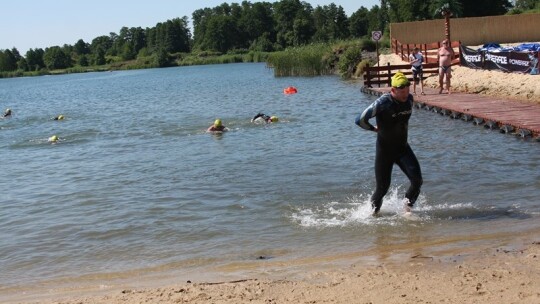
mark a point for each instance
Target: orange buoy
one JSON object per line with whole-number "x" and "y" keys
{"x": 290, "y": 90}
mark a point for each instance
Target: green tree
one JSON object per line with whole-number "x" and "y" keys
{"x": 200, "y": 20}
{"x": 99, "y": 57}
{"x": 22, "y": 64}
{"x": 161, "y": 58}
{"x": 440, "y": 8}
{"x": 220, "y": 34}
{"x": 8, "y": 61}
{"x": 127, "y": 52}
{"x": 262, "y": 44}
{"x": 115, "y": 47}
{"x": 375, "y": 20}
{"x": 330, "y": 22}
{"x": 349, "y": 60}
{"x": 383, "y": 16}
{"x": 285, "y": 14}
{"x": 16, "y": 54}
{"x": 481, "y": 8}
{"x": 56, "y": 58}
{"x": 341, "y": 23}
{"x": 320, "y": 20}
{"x": 173, "y": 36}
{"x": 359, "y": 22}
{"x": 138, "y": 38}
{"x": 257, "y": 24}
{"x": 128, "y": 43}
{"x": 408, "y": 10}
{"x": 178, "y": 35}
{"x": 101, "y": 45}
{"x": 81, "y": 47}
{"x": 34, "y": 59}
{"x": 446, "y": 9}
{"x": 83, "y": 60}
{"x": 303, "y": 29}
{"x": 525, "y": 5}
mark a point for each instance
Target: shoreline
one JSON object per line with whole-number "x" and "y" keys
{"x": 502, "y": 268}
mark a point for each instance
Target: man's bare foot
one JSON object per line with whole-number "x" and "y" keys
{"x": 407, "y": 205}
{"x": 440, "y": 91}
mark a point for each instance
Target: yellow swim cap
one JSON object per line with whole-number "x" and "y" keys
{"x": 399, "y": 80}
{"x": 60, "y": 117}
{"x": 217, "y": 123}
{"x": 274, "y": 119}
{"x": 53, "y": 138}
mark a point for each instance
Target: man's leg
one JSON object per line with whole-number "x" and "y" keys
{"x": 383, "y": 176}
{"x": 421, "y": 76}
{"x": 448, "y": 76}
{"x": 408, "y": 163}
{"x": 441, "y": 77}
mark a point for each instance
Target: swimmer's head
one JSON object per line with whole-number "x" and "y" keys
{"x": 217, "y": 123}
{"x": 53, "y": 138}
{"x": 7, "y": 112}
{"x": 60, "y": 117}
{"x": 399, "y": 80}
{"x": 274, "y": 119}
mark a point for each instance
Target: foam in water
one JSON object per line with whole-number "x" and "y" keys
{"x": 355, "y": 211}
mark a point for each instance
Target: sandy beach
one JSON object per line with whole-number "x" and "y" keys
{"x": 508, "y": 273}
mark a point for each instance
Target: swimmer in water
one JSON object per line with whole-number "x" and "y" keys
{"x": 217, "y": 127}
{"x": 7, "y": 113}
{"x": 261, "y": 117}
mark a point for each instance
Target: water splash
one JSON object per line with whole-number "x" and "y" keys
{"x": 354, "y": 211}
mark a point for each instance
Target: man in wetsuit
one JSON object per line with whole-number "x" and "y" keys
{"x": 7, "y": 113}
{"x": 265, "y": 118}
{"x": 392, "y": 112}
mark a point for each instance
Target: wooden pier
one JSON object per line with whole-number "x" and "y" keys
{"x": 508, "y": 116}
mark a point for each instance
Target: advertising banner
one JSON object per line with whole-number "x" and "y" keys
{"x": 507, "y": 61}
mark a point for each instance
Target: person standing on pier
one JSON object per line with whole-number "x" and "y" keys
{"x": 446, "y": 55}
{"x": 392, "y": 112}
{"x": 416, "y": 59}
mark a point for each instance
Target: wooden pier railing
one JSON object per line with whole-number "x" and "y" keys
{"x": 429, "y": 50}
{"x": 381, "y": 75}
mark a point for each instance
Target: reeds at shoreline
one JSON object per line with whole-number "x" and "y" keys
{"x": 301, "y": 61}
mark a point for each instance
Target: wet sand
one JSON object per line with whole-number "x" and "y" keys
{"x": 501, "y": 268}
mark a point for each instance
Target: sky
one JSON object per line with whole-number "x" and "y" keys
{"x": 45, "y": 23}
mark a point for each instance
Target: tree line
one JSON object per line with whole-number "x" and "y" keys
{"x": 244, "y": 27}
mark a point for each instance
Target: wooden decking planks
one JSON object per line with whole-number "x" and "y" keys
{"x": 524, "y": 117}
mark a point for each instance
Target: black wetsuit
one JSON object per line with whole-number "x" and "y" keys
{"x": 392, "y": 147}
{"x": 264, "y": 116}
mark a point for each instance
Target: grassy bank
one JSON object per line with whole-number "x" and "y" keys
{"x": 342, "y": 57}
